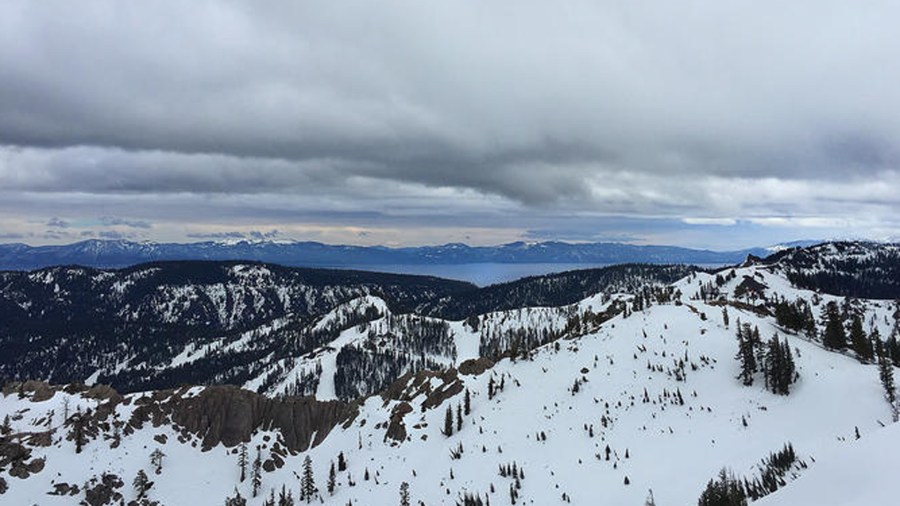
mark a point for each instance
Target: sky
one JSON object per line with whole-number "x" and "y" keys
{"x": 707, "y": 124}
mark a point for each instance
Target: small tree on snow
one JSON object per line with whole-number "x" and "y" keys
{"x": 242, "y": 460}
{"x": 448, "y": 422}
{"x": 886, "y": 374}
{"x": 256, "y": 472}
{"x": 308, "y": 488}
{"x": 156, "y": 459}
{"x": 141, "y": 484}
{"x": 332, "y": 480}
{"x": 237, "y": 500}
{"x": 404, "y": 494}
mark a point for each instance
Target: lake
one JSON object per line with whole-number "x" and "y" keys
{"x": 481, "y": 274}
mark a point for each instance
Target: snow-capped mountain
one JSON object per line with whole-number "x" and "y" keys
{"x": 121, "y": 253}
{"x": 164, "y": 324}
{"x": 626, "y": 395}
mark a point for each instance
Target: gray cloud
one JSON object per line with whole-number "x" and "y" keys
{"x": 113, "y": 221}
{"x": 56, "y": 222}
{"x": 217, "y": 235}
{"x": 403, "y": 114}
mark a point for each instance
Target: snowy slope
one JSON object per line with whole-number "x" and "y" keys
{"x": 857, "y": 474}
{"x": 672, "y": 449}
{"x": 656, "y": 385}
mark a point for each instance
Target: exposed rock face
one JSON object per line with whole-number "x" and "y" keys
{"x": 16, "y": 457}
{"x": 396, "y": 428}
{"x": 410, "y": 386}
{"x": 64, "y": 489}
{"x": 37, "y": 390}
{"x": 229, "y": 415}
{"x": 475, "y": 366}
{"x": 103, "y": 491}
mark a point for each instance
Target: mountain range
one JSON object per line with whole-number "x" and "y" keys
{"x": 122, "y": 253}
{"x": 245, "y": 383}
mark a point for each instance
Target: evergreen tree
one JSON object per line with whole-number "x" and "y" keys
{"x": 746, "y": 354}
{"x": 332, "y": 480}
{"x": 459, "y": 418}
{"x": 858, "y": 339}
{"x": 779, "y": 367}
{"x": 237, "y": 500}
{"x": 404, "y": 494}
{"x": 448, "y": 422}
{"x": 256, "y": 472}
{"x": 156, "y": 459}
{"x": 141, "y": 484}
{"x": 467, "y": 406}
{"x": 834, "y": 338}
{"x": 6, "y": 428}
{"x": 285, "y": 497}
{"x": 342, "y": 462}
{"x": 242, "y": 461}
{"x": 308, "y": 490}
{"x": 724, "y": 491}
{"x": 886, "y": 374}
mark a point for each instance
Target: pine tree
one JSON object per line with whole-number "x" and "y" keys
{"x": 237, "y": 500}
{"x": 886, "y": 374}
{"x": 724, "y": 491}
{"x": 141, "y": 484}
{"x": 834, "y": 338}
{"x": 467, "y": 403}
{"x": 858, "y": 339}
{"x": 242, "y": 461}
{"x": 459, "y": 418}
{"x": 332, "y": 480}
{"x": 78, "y": 433}
{"x": 256, "y": 472}
{"x": 448, "y": 422}
{"x": 342, "y": 462}
{"x": 6, "y": 428}
{"x": 746, "y": 354}
{"x": 404, "y": 494}
{"x": 491, "y": 388}
{"x": 308, "y": 490}
{"x": 779, "y": 367}
{"x": 156, "y": 459}
{"x": 285, "y": 497}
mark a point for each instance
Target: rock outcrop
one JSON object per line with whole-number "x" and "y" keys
{"x": 229, "y": 415}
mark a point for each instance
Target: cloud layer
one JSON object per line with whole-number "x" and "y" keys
{"x": 386, "y": 120}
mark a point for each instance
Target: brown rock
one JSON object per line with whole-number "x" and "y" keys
{"x": 475, "y": 366}
{"x": 396, "y": 428}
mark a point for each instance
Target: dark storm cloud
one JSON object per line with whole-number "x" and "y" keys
{"x": 690, "y": 113}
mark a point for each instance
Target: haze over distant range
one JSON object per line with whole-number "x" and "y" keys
{"x": 700, "y": 124}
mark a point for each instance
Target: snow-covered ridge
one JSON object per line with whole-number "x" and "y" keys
{"x": 610, "y": 396}
{"x": 655, "y": 385}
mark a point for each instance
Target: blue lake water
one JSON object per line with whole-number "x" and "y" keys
{"x": 481, "y": 274}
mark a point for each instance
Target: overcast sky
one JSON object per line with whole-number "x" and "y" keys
{"x": 696, "y": 123}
